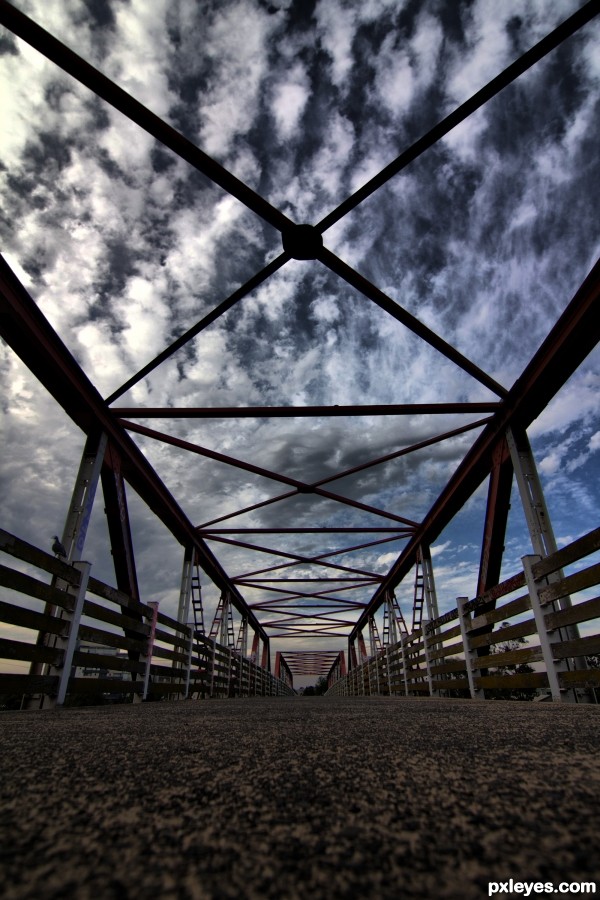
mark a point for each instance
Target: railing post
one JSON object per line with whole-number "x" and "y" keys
{"x": 424, "y": 625}
{"x": 189, "y": 663}
{"x": 403, "y": 642}
{"x": 387, "y": 669}
{"x": 70, "y": 642}
{"x": 470, "y": 655}
{"x": 153, "y": 604}
{"x": 546, "y": 638}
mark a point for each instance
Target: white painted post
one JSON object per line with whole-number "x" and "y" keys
{"x": 188, "y": 670}
{"x": 153, "y": 604}
{"x": 427, "y": 659}
{"x": 464, "y": 620}
{"x": 71, "y": 641}
{"x": 403, "y": 642}
{"x": 553, "y": 667}
{"x": 387, "y": 669}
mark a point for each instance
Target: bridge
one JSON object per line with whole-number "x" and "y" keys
{"x": 155, "y": 707}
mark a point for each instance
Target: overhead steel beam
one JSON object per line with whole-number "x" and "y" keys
{"x": 300, "y": 487}
{"x": 317, "y": 560}
{"x": 493, "y": 87}
{"x": 399, "y": 531}
{"x": 297, "y": 412}
{"x": 24, "y": 328}
{"x": 421, "y": 445}
{"x": 70, "y": 62}
{"x": 572, "y": 338}
{"x": 377, "y": 296}
{"x": 207, "y": 320}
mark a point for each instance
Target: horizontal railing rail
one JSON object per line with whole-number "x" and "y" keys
{"x": 501, "y": 645}
{"x": 112, "y": 647}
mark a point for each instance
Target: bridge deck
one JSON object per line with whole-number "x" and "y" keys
{"x": 296, "y": 798}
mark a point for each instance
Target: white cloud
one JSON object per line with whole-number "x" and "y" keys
{"x": 236, "y": 44}
{"x": 395, "y": 80}
{"x": 289, "y": 101}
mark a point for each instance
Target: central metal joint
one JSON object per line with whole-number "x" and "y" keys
{"x": 302, "y": 242}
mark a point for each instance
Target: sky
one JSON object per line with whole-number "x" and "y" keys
{"x": 485, "y": 239}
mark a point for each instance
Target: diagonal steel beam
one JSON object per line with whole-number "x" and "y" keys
{"x": 26, "y": 330}
{"x": 493, "y": 87}
{"x": 195, "y": 330}
{"x": 321, "y": 556}
{"x": 354, "y": 470}
{"x": 377, "y": 296}
{"x": 296, "y": 557}
{"x": 78, "y": 68}
{"x": 300, "y": 487}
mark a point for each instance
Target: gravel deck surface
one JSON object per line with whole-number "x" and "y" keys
{"x": 315, "y": 797}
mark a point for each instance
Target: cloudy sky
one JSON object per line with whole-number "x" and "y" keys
{"x": 485, "y": 238}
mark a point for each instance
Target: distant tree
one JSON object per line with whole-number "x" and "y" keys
{"x": 321, "y": 685}
{"x": 316, "y": 690}
{"x": 508, "y": 646}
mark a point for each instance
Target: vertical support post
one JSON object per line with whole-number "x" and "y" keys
{"x": 222, "y": 638}
{"x": 392, "y": 623}
{"x": 426, "y": 651}
{"x": 69, "y": 644}
{"x": 553, "y": 667}
{"x": 431, "y": 604}
{"x": 255, "y": 643}
{"x": 376, "y": 661}
{"x": 403, "y": 643}
{"x": 188, "y": 670}
{"x": 470, "y": 656}
{"x": 372, "y": 639}
{"x": 185, "y": 592}
{"x": 119, "y": 530}
{"x": 212, "y": 669}
{"x": 536, "y": 514}
{"x": 387, "y": 670}
{"x": 117, "y": 514}
{"x": 243, "y": 637}
{"x": 496, "y": 518}
{"x": 532, "y": 496}
{"x": 77, "y": 519}
{"x": 82, "y": 499}
{"x": 153, "y": 604}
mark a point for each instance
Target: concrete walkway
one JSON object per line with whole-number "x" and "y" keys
{"x": 297, "y": 798}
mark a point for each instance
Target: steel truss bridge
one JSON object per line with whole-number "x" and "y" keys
{"x": 415, "y": 653}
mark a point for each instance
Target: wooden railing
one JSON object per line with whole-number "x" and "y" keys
{"x": 512, "y": 641}
{"x": 108, "y": 647}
